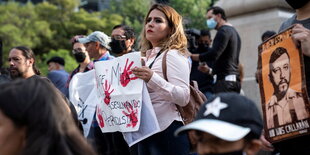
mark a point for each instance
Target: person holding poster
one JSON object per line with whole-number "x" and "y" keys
{"x": 301, "y": 36}
{"x": 163, "y": 32}
{"x": 97, "y": 46}
{"x": 286, "y": 105}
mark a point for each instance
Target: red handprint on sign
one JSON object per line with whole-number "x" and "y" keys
{"x": 132, "y": 114}
{"x": 125, "y": 76}
{"x": 107, "y": 94}
{"x": 99, "y": 114}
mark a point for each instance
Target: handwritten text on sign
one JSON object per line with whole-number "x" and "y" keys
{"x": 120, "y": 94}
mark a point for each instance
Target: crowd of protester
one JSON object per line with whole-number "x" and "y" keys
{"x": 37, "y": 117}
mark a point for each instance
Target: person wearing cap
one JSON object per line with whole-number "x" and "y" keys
{"x": 97, "y": 46}
{"x": 57, "y": 74}
{"x": 228, "y": 123}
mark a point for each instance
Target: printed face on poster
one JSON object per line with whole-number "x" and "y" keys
{"x": 283, "y": 91}
{"x": 120, "y": 94}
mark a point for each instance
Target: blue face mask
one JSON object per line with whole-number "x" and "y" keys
{"x": 211, "y": 23}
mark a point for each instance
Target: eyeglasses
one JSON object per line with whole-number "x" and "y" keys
{"x": 77, "y": 50}
{"x": 119, "y": 37}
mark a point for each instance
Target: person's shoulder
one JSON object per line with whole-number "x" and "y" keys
{"x": 58, "y": 72}
{"x": 287, "y": 23}
{"x": 38, "y": 77}
{"x": 227, "y": 30}
{"x": 176, "y": 53}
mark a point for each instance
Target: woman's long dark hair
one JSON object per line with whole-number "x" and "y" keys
{"x": 50, "y": 130}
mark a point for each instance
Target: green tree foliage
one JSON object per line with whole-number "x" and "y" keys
{"x": 47, "y": 27}
{"x": 193, "y": 11}
{"x": 20, "y": 25}
{"x": 133, "y": 12}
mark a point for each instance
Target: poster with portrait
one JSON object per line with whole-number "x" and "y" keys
{"x": 120, "y": 94}
{"x": 282, "y": 85}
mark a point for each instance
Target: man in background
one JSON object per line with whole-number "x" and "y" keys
{"x": 123, "y": 40}
{"x": 224, "y": 52}
{"x": 57, "y": 74}
{"x": 22, "y": 63}
{"x": 202, "y": 71}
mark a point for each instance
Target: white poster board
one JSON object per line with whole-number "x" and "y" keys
{"x": 120, "y": 94}
{"x": 82, "y": 94}
{"x": 86, "y": 94}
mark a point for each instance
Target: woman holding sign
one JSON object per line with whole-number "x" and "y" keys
{"x": 163, "y": 32}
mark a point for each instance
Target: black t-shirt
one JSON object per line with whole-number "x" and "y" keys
{"x": 204, "y": 80}
{"x": 224, "y": 52}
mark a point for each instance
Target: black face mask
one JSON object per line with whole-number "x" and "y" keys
{"x": 240, "y": 152}
{"x": 296, "y": 4}
{"x": 203, "y": 47}
{"x": 118, "y": 46}
{"x": 80, "y": 57}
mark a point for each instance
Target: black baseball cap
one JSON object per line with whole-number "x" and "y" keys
{"x": 228, "y": 116}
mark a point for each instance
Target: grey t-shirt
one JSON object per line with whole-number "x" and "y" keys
{"x": 306, "y": 24}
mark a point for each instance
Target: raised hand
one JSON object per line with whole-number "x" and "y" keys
{"x": 132, "y": 114}
{"x": 125, "y": 76}
{"x": 107, "y": 94}
{"x": 99, "y": 114}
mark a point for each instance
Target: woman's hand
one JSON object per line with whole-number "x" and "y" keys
{"x": 144, "y": 73}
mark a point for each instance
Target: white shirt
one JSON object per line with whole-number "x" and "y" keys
{"x": 164, "y": 95}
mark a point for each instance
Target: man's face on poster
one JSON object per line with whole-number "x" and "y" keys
{"x": 281, "y": 74}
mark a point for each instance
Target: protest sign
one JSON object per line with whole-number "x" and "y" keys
{"x": 149, "y": 124}
{"x": 82, "y": 94}
{"x": 281, "y": 79}
{"x": 120, "y": 94}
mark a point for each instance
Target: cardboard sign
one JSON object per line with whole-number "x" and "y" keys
{"x": 283, "y": 91}
{"x": 120, "y": 94}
